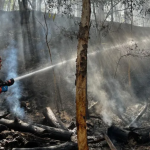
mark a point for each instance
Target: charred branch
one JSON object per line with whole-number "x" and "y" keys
{"x": 22, "y": 126}
{"x": 52, "y": 119}
{"x": 138, "y": 116}
{"x": 111, "y": 145}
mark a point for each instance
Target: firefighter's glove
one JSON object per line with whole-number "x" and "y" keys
{"x": 10, "y": 82}
{"x": 4, "y": 88}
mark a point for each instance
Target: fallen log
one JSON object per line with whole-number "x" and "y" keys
{"x": 64, "y": 146}
{"x": 23, "y": 139}
{"x": 111, "y": 145}
{"x": 56, "y": 133}
{"x": 118, "y": 134}
{"x": 21, "y": 126}
{"x": 51, "y": 132}
{"x": 121, "y": 135}
{"x": 52, "y": 119}
{"x": 138, "y": 116}
{"x": 133, "y": 134}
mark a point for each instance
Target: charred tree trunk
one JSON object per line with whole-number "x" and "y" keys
{"x": 81, "y": 76}
{"x": 40, "y": 131}
{"x": 22, "y": 126}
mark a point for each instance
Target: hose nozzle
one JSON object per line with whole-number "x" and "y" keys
{"x": 10, "y": 82}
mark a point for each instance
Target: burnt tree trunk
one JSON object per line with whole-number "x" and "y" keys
{"x": 81, "y": 76}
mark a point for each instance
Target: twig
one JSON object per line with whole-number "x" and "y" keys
{"x": 109, "y": 12}
{"x": 111, "y": 145}
{"x": 138, "y": 116}
{"x": 130, "y": 54}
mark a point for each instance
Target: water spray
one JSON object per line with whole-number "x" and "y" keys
{"x": 47, "y": 68}
{"x": 66, "y": 61}
{"x": 41, "y": 70}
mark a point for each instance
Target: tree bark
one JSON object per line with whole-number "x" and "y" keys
{"x": 52, "y": 120}
{"x": 64, "y": 146}
{"x": 81, "y": 76}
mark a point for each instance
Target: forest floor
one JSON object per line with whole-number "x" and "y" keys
{"x": 96, "y": 126}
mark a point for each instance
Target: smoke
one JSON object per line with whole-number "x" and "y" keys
{"x": 14, "y": 91}
{"x": 114, "y": 94}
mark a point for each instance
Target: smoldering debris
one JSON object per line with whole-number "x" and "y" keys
{"x": 46, "y": 134}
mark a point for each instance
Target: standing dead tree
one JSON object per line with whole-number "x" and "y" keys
{"x": 81, "y": 76}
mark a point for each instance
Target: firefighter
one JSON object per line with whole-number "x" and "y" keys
{"x": 4, "y": 85}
